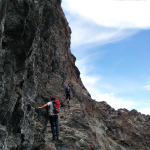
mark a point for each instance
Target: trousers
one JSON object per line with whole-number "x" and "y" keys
{"x": 54, "y": 121}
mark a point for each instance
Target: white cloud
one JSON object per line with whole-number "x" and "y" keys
{"x": 116, "y": 102}
{"x": 147, "y": 87}
{"x": 92, "y": 85}
{"x": 87, "y": 33}
{"x": 112, "y": 13}
{"x": 105, "y": 21}
{"x": 99, "y": 89}
{"x": 145, "y": 110}
{"x": 87, "y": 79}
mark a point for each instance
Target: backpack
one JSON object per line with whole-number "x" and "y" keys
{"x": 56, "y": 106}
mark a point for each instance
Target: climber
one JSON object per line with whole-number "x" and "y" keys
{"x": 68, "y": 94}
{"x": 54, "y": 110}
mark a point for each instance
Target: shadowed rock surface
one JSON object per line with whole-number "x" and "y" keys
{"x": 35, "y": 64}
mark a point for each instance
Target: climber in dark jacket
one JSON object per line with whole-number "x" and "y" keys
{"x": 68, "y": 93}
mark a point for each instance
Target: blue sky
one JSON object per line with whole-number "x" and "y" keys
{"x": 110, "y": 39}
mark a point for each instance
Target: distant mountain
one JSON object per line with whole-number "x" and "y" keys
{"x": 35, "y": 64}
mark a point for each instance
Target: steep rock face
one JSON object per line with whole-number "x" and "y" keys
{"x": 36, "y": 63}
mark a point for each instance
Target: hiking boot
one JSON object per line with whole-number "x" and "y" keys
{"x": 57, "y": 137}
{"x": 53, "y": 138}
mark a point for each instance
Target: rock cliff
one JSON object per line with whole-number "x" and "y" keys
{"x": 35, "y": 64}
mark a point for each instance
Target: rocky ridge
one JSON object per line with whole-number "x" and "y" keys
{"x": 36, "y": 63}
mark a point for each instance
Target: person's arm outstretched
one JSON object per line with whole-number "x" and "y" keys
{"x": 45, "y": 105}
